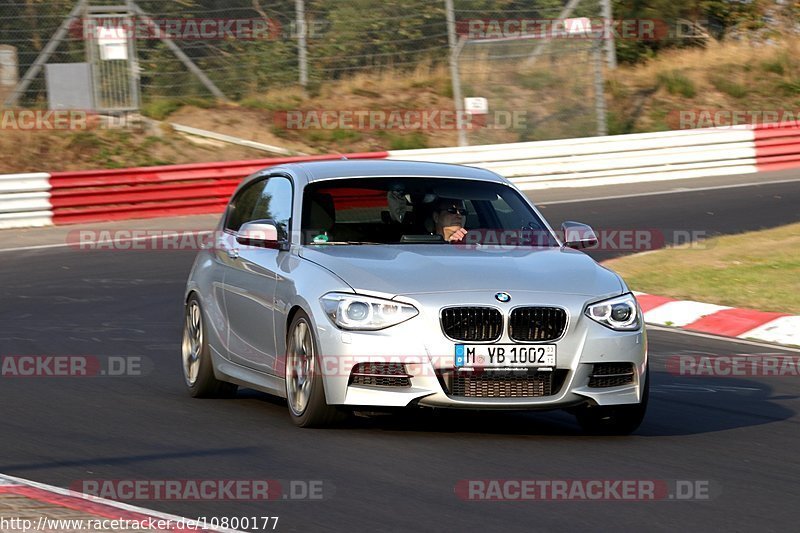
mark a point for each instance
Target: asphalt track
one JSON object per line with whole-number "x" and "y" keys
{"x": 677, "y": 211}
{"x": 394, "y": 473}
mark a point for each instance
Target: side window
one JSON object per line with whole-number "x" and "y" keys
{"x": 243, "y": 206}
{"x": 275, "y": 203}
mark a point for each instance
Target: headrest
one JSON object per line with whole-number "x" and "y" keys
{"x": 321, "y": 214}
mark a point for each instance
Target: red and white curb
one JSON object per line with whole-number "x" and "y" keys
{"x": 777, "y": 328}
{"x": 98, "y": 508}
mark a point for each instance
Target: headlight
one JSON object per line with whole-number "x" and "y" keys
{"x": 352, "y": 311}
{"x": 620, "y": 313}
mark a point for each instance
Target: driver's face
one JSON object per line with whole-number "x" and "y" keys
{"x": 453, "y": 215}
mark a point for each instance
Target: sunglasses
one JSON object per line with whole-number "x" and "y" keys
{"x": 456, "y": 211}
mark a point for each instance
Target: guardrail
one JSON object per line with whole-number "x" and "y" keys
{"x": 25, "y": 200}
{"x": 78, "y": 197}
{"x": 608, "y": 160}
{"x": 777, "y": 148}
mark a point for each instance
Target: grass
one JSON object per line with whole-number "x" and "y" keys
{"x": 778, "y": 64}
{"x": 537, "y": 80}
{"x": 161, "y": 108}
{"x": 408, "y": 142}
{"x": 721, "y": 75}
{"x": 619, "y": 124}
{"x": 118, "y": 148}
{"x": 731, "y": 88}
{"x": 790, "y": 87}
{"x": 757, "y": 270}
{"x": 424, "y": 76}
{"x": 340, "y": 135}
{"x": 677, "y": 84}
{"x": 277, "y": 100}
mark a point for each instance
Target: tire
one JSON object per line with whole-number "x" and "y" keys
{"x": 198, "y": 368}
{"x": 614, "y": 419}
{"x": 305, "y": 391}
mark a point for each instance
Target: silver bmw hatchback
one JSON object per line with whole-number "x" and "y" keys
{"x": 357, "y": 285}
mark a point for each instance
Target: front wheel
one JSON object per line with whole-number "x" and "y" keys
{"x": 614, "y": 419}
{"x": 305, "y": 392}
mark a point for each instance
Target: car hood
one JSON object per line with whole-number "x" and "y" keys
{"x": 423, "y": 268}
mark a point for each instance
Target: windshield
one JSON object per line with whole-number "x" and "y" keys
{"x": 419, "y": 211}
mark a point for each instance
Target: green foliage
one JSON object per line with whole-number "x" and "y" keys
{"x": 116, "y": 148}
{"x": 729, "y": 87}
{"x": 359, "y": 91}
{"x": 202, "y": 103}
{"x": 619, "y": 124}
{"x": 616, "y": 89}
{"x": 777, "y": 65}
{"x": 790, "y": 87}
{"x": 408, "y": 142}
{"x": 259, "y": 102}
{"x": 540, "y": 79}
{"x": 718, "y": 17}
{"x": 659, "y": 116}
{"x": 349, "y": 36}
{"x": 338, "y": 135}
{"x": 279, "y": 132}
{"x": 677, "y": 83}
{"x": 365, "y": 33}
{"x": 342, "y": 135}
{"x": 161, "y": 108}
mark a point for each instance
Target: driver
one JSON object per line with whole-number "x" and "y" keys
{"x": 449, "y": 216}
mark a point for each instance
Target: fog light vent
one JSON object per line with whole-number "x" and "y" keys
{"x": 611, "y": 375}
{"x": 380, "y": 375}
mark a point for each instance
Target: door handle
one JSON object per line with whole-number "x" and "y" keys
{"x": 233, "y": 253}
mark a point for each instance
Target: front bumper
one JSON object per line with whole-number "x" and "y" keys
{"x": 427, "y": 355}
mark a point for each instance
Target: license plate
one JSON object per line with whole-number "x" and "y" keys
{"x": 505, "y": 355}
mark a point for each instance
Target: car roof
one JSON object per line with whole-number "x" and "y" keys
{"x": 321, "y": 170}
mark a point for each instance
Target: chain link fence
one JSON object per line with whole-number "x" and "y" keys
{"x": 539, "y": 81}
{"x": 243, "y": 46}
{"x": 537, "y": 86}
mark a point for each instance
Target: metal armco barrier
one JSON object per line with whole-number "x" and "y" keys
{"x": 608, "y": 160}
{"x": 25, "y": 200}
{"x": 99, "y": 195}
{"x": 777, "y": 148}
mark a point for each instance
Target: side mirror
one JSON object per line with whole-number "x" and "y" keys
{"x": 260, "y": 233}
{"x": 577, "y": 235}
